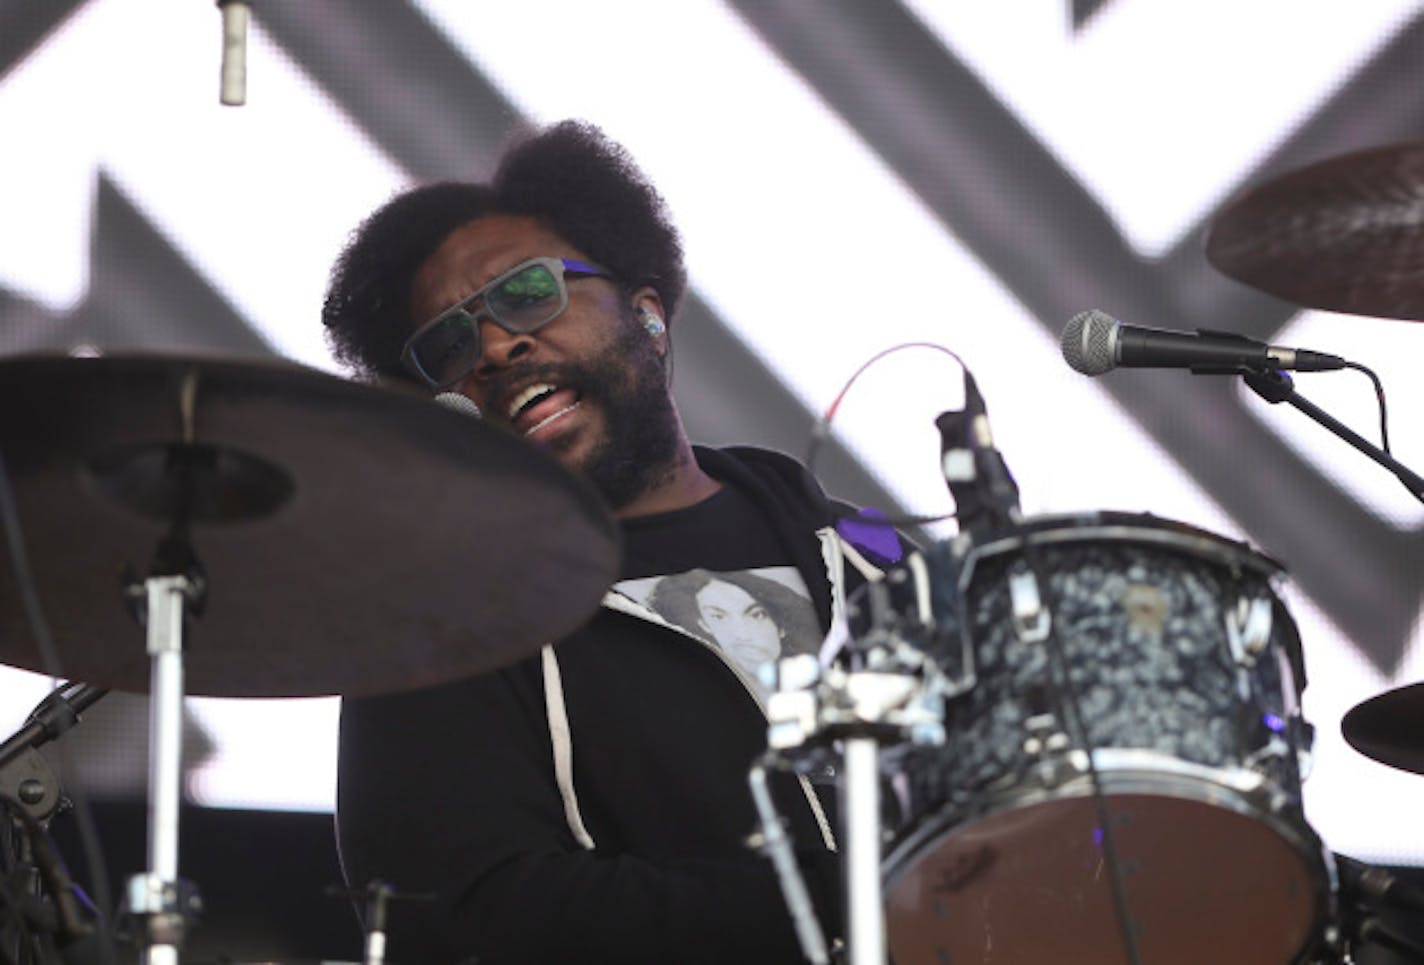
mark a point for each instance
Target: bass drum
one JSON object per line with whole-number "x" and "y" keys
{"x": 1183, "y": 673}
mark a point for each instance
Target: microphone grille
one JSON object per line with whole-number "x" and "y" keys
{"x": 460, "y": 404}
{"x": 1088, "y": 342}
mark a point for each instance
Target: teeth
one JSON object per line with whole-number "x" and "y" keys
{"x": 526, "y": 396}
{"x": 543, "y": 422}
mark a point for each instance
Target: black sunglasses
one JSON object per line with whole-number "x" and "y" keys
{"x": 524, "y": 299}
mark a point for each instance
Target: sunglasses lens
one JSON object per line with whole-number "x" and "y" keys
{"x": 447, "y": 350}
{"x": 527, "y": 299}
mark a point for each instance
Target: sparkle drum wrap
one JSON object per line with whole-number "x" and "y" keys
{"x": 1185, "y": 671}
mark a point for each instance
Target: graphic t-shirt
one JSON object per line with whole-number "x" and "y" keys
{"x": 718, "y": 571}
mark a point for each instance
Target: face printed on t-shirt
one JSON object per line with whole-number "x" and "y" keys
{"x": 739, "y": 623}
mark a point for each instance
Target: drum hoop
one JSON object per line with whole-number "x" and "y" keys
{"x": 1301, "y": 838}
{"x": 1132, "y": 771}
{"x": 1145, "y": 530}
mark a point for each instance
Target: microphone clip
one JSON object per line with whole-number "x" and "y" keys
{"x": 985, "y": 493}
{"x": 1245, "y": 341}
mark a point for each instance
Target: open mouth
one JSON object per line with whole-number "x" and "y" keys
{"x": 540, "y": 404}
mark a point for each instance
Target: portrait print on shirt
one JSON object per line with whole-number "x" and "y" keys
{"x": 753, "y": 616}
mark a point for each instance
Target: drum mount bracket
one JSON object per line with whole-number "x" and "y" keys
{"x": 889, "y": 694}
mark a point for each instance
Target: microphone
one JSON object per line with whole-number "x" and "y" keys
{"x": 459, "y": 403}
{"x": 986, "y": 497}
{"x": 1095, "y": 342}
{"x": 232, "y": 89}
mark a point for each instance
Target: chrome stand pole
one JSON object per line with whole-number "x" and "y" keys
{"x": 777, "y": 845}
{"x": 864, "y": 910}
{"x": 158, "y": 897}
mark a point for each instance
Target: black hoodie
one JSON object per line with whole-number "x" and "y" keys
{"x": 453, "y": 790}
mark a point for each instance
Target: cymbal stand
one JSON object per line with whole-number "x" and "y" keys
{"x": 164, "y": 903}
{"x": 177, "y": 484}
{"x": 892, "y": 695}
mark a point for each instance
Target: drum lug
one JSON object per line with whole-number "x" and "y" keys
{"x": 1303, "y": 733}
{"x": 1031, "y": 618}
{"x": 1248, "y": 630}
{"x": 1050, "y": 745}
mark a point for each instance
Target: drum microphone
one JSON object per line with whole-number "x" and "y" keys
{"x": 459, "y": 403}
{"x": 1095, "y": 342}
{"x": 986, "y": 497}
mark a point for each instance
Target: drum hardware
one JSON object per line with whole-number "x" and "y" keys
{"x": 177, "y": 484}
{"x": 986, "y": 497}
{"x": 1032, "y": 622}
{"x": 773, "y": 841}
{"x": 1371, "y": 890}
{"x": 892, "y": 697}
{"x": 1248, "y": 630}
{"x": 47, "y": 909}
{"x": 378, "y": 895}
{"x": 164, "y": 905}
{"x": 32, "y": 791}
{"x": 52, "y": 717}
{"x": 1051, "y": 750}
{"x": 1277, "y": 387}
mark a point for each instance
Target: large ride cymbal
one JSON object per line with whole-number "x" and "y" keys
{"x": 1343, "y": 235}
{"x": 355, "y": 540}
{"x": 1390, "y": 728}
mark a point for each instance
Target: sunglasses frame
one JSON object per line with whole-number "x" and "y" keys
{"x": 560, "y": 268}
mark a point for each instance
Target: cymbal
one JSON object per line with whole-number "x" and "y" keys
{"x": 1343, "y": 235}
{"x": 355, "y": 539}
{"x": 1390, "y": 728}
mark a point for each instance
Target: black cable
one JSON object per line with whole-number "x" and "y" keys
{"x": 95, "y": 864}
{"x": 1384, "y": 419}
{"x": 1379, "y": 396}
{"x": 1069, "y": 708}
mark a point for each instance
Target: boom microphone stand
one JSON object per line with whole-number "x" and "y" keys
{"x": 1276, "y": 387}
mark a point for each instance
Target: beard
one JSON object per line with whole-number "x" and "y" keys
{"x": 639, "y": 447}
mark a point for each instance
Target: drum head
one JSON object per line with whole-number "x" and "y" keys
{"x": 1030, "y": 885}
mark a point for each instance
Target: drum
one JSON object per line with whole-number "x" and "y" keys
{"x": 1124, "y": 752}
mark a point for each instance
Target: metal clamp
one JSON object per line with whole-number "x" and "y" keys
{"x": 1031, "y": 619}
{"x": 168, "y": 908}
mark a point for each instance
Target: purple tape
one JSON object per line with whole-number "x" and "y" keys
{"x": 870, "y": 533}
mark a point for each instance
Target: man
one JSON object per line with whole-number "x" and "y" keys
{"x": 589, "y": 804}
